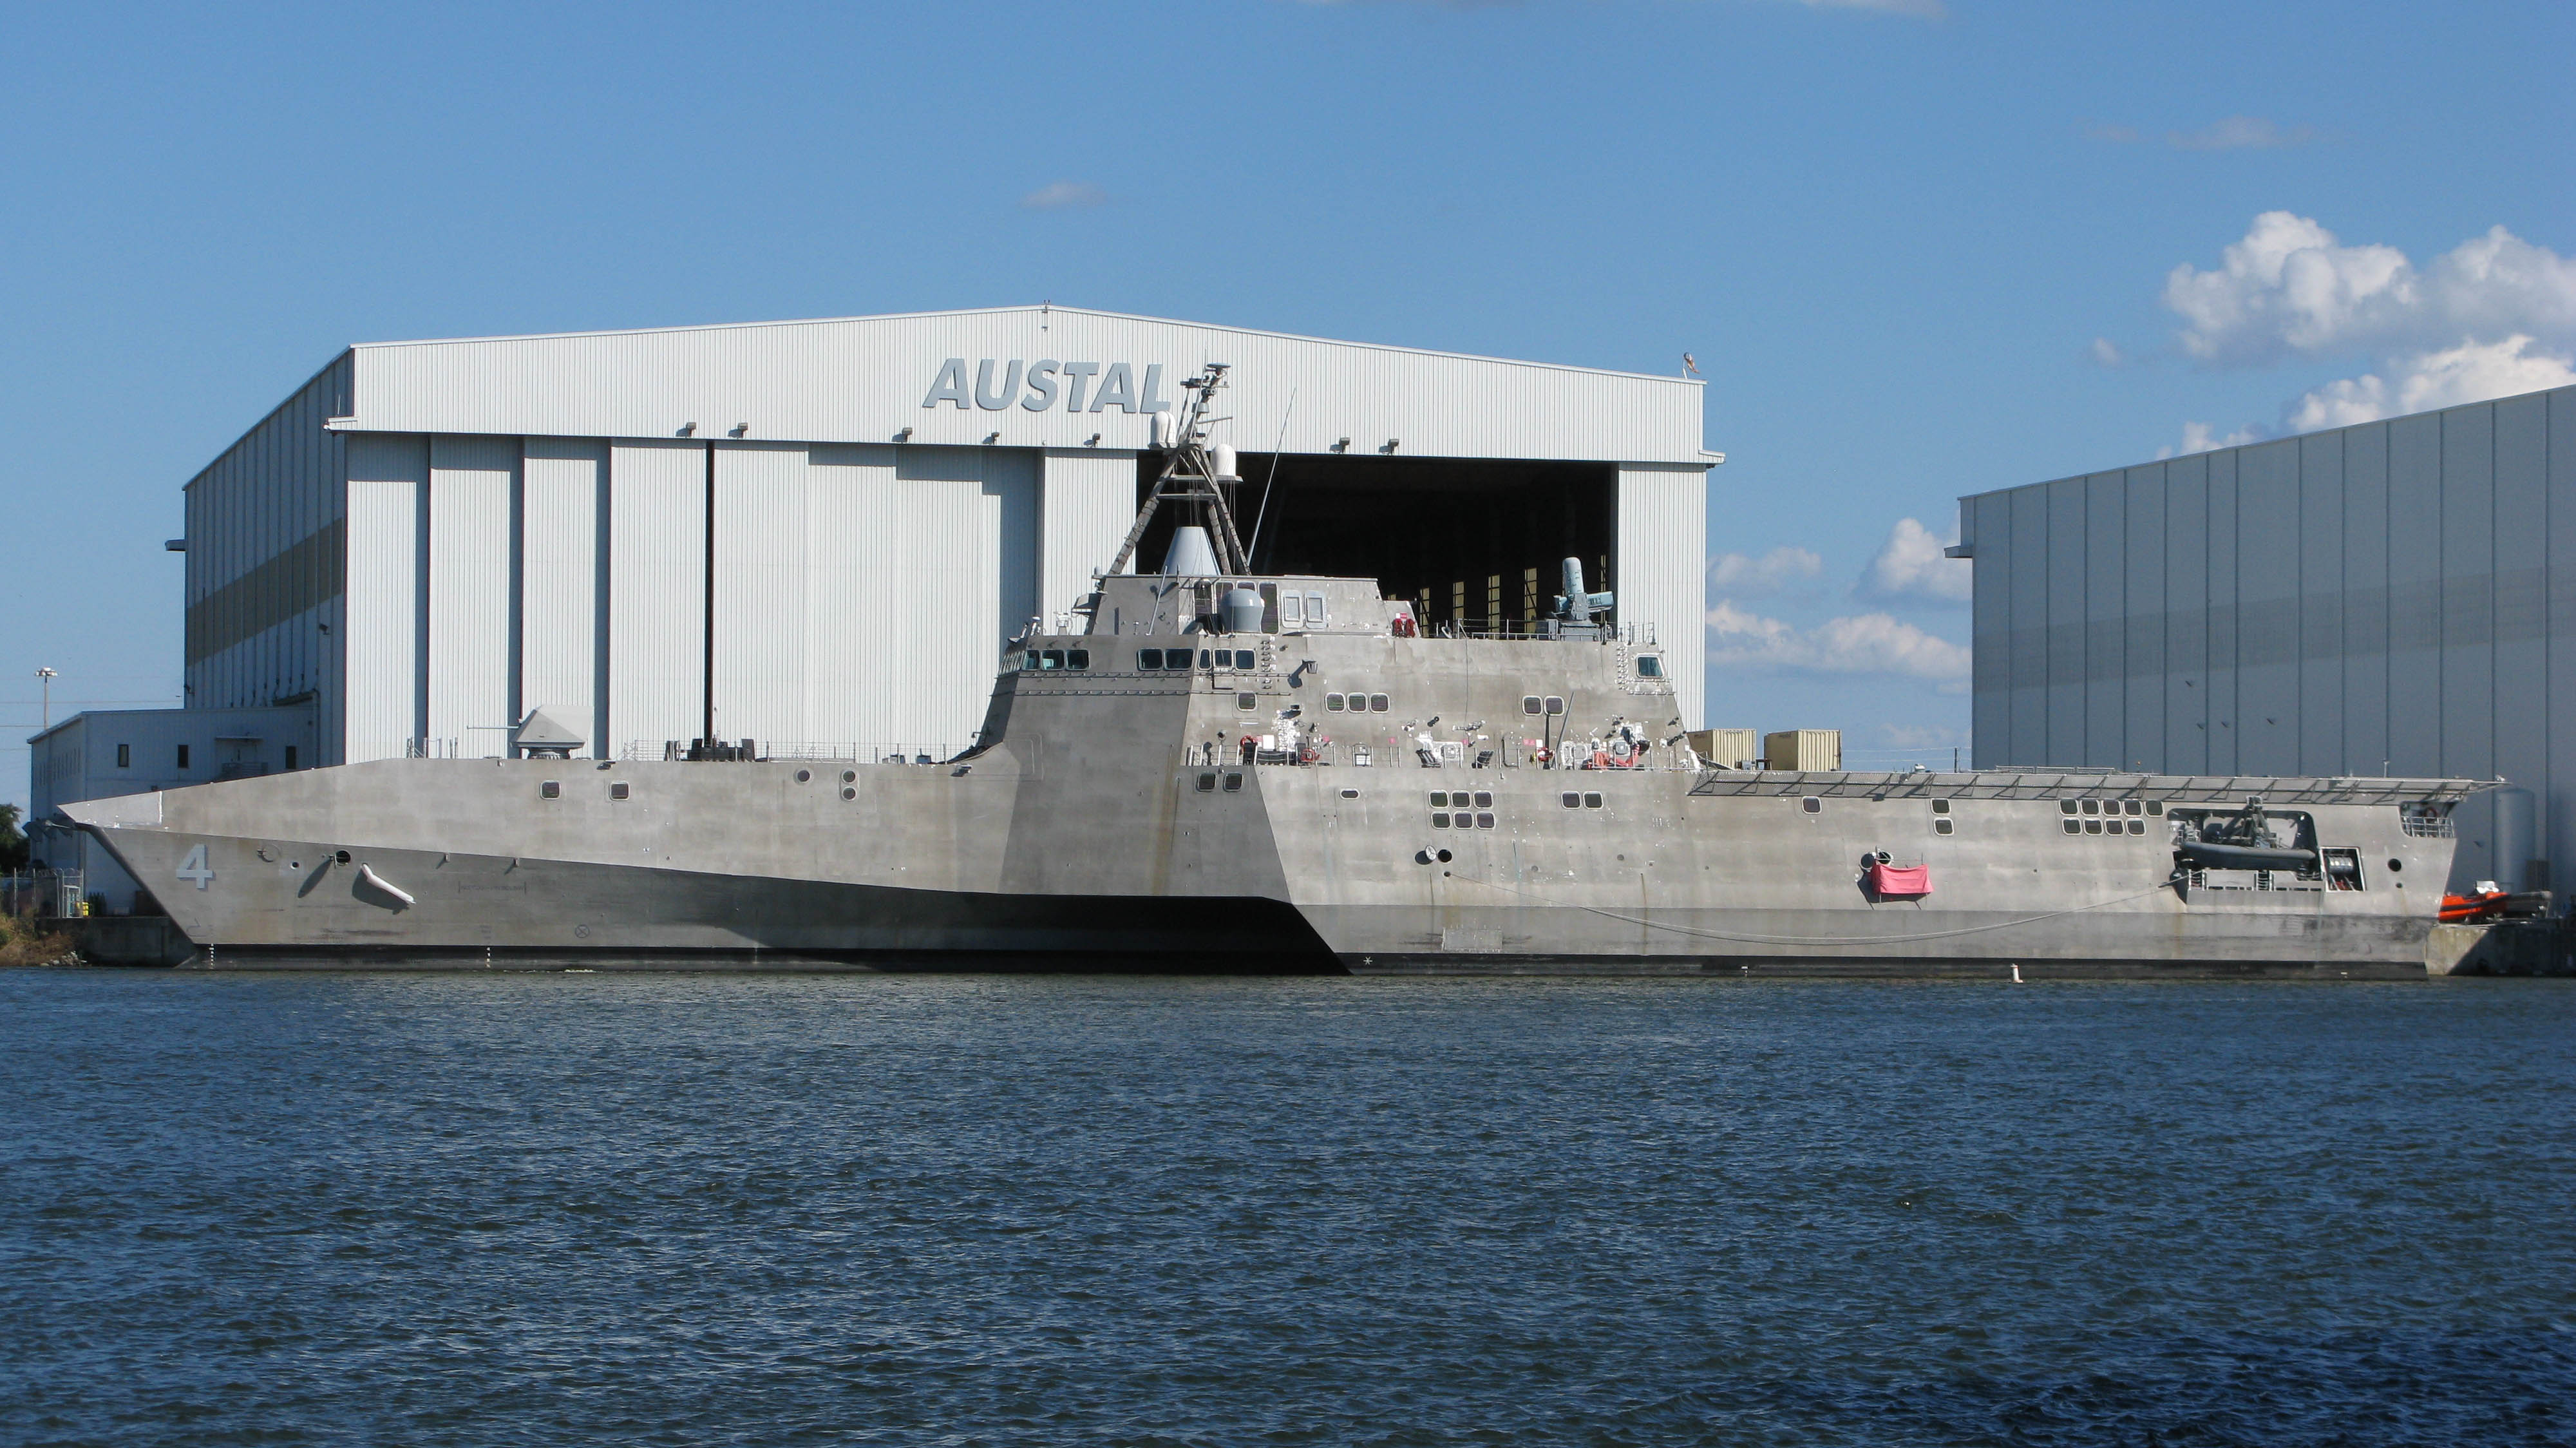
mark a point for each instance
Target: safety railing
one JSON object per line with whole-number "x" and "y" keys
{"x": 798, "y": 751}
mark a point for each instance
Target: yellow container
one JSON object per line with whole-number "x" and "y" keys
{"x": 1803, "y": 749}
{"x": 1728, "y": 748}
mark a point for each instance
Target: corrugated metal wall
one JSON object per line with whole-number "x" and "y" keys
{"x": 563, "y": 638}
{"x": 385, "y": 699}
{"x": 657, "y": 580}
{"x": 2380, "y": 598}
{"x": 264, "y": 556}
{"x": 473, "y": 580}
{"x": 1087, "y": 502}
{"x": 1661, "y": 562}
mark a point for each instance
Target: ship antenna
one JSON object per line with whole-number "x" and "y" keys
{"x": 1190, "y": 481}
{"x": 1270, "y": 486}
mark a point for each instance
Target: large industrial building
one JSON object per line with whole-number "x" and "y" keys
{"x": 2395, "y": 597}
{"x": 820, "y": 534}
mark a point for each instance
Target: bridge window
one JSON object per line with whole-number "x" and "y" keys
{"x": 1050, "y": 658}
{"x": 1149, "y": 659}
{"x": 1077, "y": 658}
{"x": 1649, "y": 667}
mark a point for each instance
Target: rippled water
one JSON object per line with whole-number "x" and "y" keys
{"x": 772, "y": 1210}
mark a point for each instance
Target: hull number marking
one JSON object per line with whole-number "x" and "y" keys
{"x": 194, "y": 867}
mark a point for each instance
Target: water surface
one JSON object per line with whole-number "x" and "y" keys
{"x": 453, "y": 1209}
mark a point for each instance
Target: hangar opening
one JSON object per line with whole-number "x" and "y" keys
{"x": 1475, "y": 542}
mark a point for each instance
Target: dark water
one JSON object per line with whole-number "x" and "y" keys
{"x": 602, "y": 1209}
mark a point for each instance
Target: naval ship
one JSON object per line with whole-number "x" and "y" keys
{"x": 1209, "y": 769}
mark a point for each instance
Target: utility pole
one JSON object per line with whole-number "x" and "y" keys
{"x": 46, "y": 678}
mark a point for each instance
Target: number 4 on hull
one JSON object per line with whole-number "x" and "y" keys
{"x": 194, "y": 868}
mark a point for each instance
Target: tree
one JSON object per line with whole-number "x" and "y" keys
{"x": 13, "y": 841}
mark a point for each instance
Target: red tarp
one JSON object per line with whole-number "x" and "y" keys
{"x": 1900, "y": 879}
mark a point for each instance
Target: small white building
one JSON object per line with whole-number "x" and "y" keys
{"x": 131, "y": 751}
{"x": 824, "y": 532}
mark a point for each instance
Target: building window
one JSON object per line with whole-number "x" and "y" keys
{"x": 125, "y": 756}
{"x": 290, "y": 756}
{"x": 1332, "y": 703}
{"x": 183, "y": 756}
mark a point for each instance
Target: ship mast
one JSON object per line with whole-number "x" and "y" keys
{"x": 1191, "y": 483}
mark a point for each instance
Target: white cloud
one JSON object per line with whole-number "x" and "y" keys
{"x": 2106, "y": 353}
{"x": 1743, "y": 577}
{"x": 1058, "y": 194}
{"x": 2238, "y": 133}
{"x": 2200, "y": 437}
{"x": 2290, "y": 287}
{"x": 1869, "y": 643}
{"x": 2424, "y": 381}
{"x": 1911, "y": 567}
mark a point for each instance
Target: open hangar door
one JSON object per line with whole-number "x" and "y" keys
{"x": 1470, "y": 541}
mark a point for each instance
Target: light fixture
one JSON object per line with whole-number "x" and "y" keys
{"x": 904, "y": 436}
{"x": 176, "y": 545}
{"x": 740, "y": 428}
{"x": 993, "y": 437}
{"x": 1093, "y": 441}
{"x": 1343, "y": 445}
{"x": 1391, "y": 444}
{"x": 687, "y": 428}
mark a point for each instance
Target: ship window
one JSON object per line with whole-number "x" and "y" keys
{"x": 1573, "y": 800}
{"x": 847, "y": 792}
{"x": 125, "y": 756}
{"x": 1591, "y": 801}
{"x": 1484, "y": 822}
{"x": 2066, "y": 806}
{"x": 1149, "y": 658}
{"x": 2092, "y": 827}
{"x": 1812, "y": 805}
{"x": 1649, "y": 667}
{"x": 1203, "y": 661}
{"x": 617, "y": 790}
{"x": 1247, "y": 701}
{"x": 1377, "y": 703}
{"x": 1941, "y": 827}
{"x": 2092, "y": 806}
{"x": 1314, "y": 610}
{"x": 1484, "y": 799}
{"x": 1077, "y": 658}
{"x": 1176, "y": 658}
{"x": 1233, "y": 783}
{"x": 849, "y": 776}
{"x": 1529, "y": 703}
{"x": 804, "y": 776}
{"x": 2137, "y": 827}
{"x": 1940, "y": 806}
{"x": 1439, "y": 799}
{"x": 1332, "y": 703}
{"x": 1207, "y": 784}
{"x": 1441, "y": 821}
{"x": 2156, "y": 807}
{"x": 1555, "y": 705}
{"x": 1292, "y": 609}
{"x": 551, "y": 789}
{"x": 2074, "y": 827}
{"x": 2133, "y": 807}
{"x": 1243, "y": 659}
{"x": 1350, "y": 794}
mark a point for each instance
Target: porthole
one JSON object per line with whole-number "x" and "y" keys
{"x": 1812, "y": 805}
{"x": 617, "y": 790}
{"x": 2092, "y": 827}
{"x": 1484, "y": 799}
{"x": 1940, "y": 806}
{"x": 1207, "y": 783}
{"x": 1333, "y": 703}
{"x": 1440, "y": 819}
{"x": 1350, "y": 794}
{"x": 849, "y": 776}
{"x": 804, "y": 776}
{"x": 1573, "y": 800}
{"x": 2066, "y": 806}
{"x": 2092, "y": 806}
{"x": 2156, "y": 807}
{"x": 551, "y": 789}
{"x": 1233, "y": 782}
{"x": 1591, "y": 801}
{"x": 1443, "y": 857}
{"x": 1440, "y": 799}
{"x": 2075, "y": 827}
{"x": 343, "y": 857}
{"x": 2137, "y": 827}
{"x": 2394, "y": 866}
{"x": 848, "y": 792}
{"x": 1941, "y": 827}
{"x": 1484, "y": 821}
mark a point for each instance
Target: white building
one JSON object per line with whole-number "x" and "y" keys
{"x": 823, "y": 532}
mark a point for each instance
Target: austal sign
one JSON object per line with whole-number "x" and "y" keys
{"x": 1044, "y": 381}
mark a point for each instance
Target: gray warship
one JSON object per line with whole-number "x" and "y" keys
{"x": 1209, "y": 769}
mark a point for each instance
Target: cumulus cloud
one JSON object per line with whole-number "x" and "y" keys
{"x": 1869, "y": 643}
{"x": 1743, "y": 577}
{"x": 2239, "y": 133}
{"x": 2106, "y": 353}
{"x": 1059, "y": 194}
{"x": 1911, "y": 567}
{"x": 2200, "y": 437}
{"x": 2291, "y": 288}
{"x": 2424, "y": 381}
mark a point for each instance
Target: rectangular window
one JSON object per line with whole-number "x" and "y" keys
{"x": 2137, "y": 827}
{"x": 1940, "y": 806}
{"x": 1941, "y": 827}
{"x": 125, "y": 756}
{"x": 618, "y": 790}
{"x": 1573, "y": 800}
{"x": 1332, "y": 703}
{"x": 1591, "y": 801}
{"x": 1555, "y": 705}
{"x": 183, "y": 756}
{"x": 551, "y": 789}
{"x": 2092, "y": 807}
{"x": 2133, "y": 807}
{"x": 290, "y": 756}
{"x": 2075, "y": 827}
{"x": 1484, "y": 821}
{"x": 1029, "y": 660}
{"x": 1377, "y": 703}
{"x": 1439, "y": 799}
{"x": 1247, "y": 702}
{"x": 1207, "y": 784}
{"x": 2066, "y": 806}
{"x": 1440, "y": 821}
{"x": 1314, "y": 610}
{"x": 1077, "y": 658}
{"x": 1649, "y": 667}
{"x": 1244, "y": 659}
{"x": 1203, "y": 661}
{"x": 2156, "y": 807}
{"x": 2092, "y": 827}
{"x": 1051, "y": 659}
{"x": 1269, "y": 609}
{"x": 1234, "y": 783}
{"x": 1484, "y": 799}
{"x": 1292, "y": 610}
{"x": 1149, "y": 660}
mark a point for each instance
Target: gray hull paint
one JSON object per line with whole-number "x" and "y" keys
{"x": 1093, "y": 831}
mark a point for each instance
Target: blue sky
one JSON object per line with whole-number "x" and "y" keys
{"x": 1919, "y": 249}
